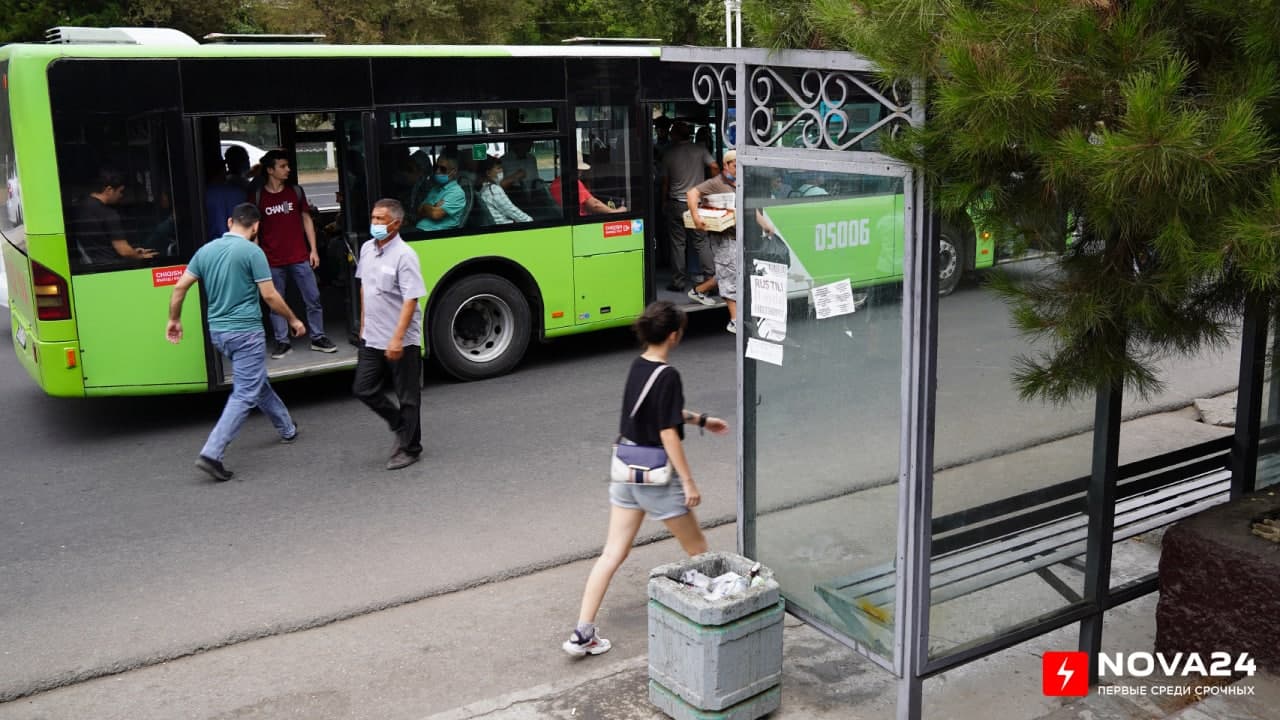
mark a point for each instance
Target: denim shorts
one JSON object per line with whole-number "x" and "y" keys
{"x": 662, "y": 502}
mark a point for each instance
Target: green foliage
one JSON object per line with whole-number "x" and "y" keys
{"x": 26, "y": 20}
{"x": 195, "y": 19}
{"x": 384, "y": 21}
{"x": 1153, "y": 124}
{"x": 671, "y": 21}
{"x": 488, "y": 21}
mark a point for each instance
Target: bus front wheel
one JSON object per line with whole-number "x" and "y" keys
{"x": 480, "y": 327}
{"x": 950, "y": 260}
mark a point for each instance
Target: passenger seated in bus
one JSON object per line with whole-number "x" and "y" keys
{"x": 446, "y": 202}
{"x": 163, "y": 237}
{"x": 519, "y": 168}
{"x": 99, "y": 236}
{"x": 588, "y": 204}
{"x": 406, "y": 172}
{"x": 494, "y": 199}
{"x": 811, "y": 187}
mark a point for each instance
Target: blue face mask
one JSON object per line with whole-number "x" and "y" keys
{"x": 440, "y": 179}
{"x": 730, "y": 177}
{"x": 379, "y": 232}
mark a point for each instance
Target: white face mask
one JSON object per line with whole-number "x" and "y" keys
{"x": 498, "y": 178}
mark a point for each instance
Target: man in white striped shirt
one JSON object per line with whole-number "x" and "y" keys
{"x": 495, "y": 199}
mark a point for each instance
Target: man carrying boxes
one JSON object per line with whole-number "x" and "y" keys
{"x": 723, "y": 241}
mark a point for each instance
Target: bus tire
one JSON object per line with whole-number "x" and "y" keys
{"x": 951, "y": 260}
{"x": 480, "y": 327}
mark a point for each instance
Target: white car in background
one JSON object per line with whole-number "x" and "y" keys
{"x": 255, "y": 152}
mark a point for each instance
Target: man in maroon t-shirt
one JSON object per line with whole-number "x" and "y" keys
{"x": 288, "y": 238}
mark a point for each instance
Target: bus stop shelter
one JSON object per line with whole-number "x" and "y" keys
{"x": 910, "y": 504}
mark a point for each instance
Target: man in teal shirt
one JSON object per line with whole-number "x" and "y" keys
{"x": 446, "y": 201}
{"x": 234, "y": 273}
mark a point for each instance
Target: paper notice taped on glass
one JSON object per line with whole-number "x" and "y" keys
{"x": 833, "y": 299}
{"x": 770, "y": 269}
{"x": 764, "y": 351}
{"x": 769, "y": 297}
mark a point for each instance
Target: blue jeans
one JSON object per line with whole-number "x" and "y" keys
{"x": 249, "y": 389}
{"x": 305, "y": 278}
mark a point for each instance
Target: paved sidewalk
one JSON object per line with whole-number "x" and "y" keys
{"x": 494, "y": 652}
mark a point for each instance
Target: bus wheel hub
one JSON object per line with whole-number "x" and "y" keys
{"x": 481, "y": 327}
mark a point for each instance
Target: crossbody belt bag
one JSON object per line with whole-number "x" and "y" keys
{"x": 640, "y": 464}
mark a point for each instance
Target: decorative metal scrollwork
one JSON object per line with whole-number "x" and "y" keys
{"x": 818, "y": 108}
{"x": 708, "y": 81}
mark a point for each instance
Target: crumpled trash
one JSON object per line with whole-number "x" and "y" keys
{"x": 728, "y": 585}
{"x": 1268, "y": 529}
{"x": 693, "y": 578}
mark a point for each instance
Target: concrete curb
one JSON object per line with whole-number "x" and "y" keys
{"x": 538, "y": 693}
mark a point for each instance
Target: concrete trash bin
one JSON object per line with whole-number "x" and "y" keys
{"x": 714, "y": 659}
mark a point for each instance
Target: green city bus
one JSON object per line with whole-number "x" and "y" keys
{"x": 162, "y": 114}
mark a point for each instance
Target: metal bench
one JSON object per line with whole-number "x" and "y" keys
{"x": 1028, "y": 533}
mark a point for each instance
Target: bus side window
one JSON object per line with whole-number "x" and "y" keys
{"x": 117, "y": 196}
{"x": 610, "y": 147}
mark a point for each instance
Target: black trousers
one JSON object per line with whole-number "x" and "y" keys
{"x": 403, "y": 416}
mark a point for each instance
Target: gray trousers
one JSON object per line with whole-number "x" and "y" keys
{"x": 680, "y": 237}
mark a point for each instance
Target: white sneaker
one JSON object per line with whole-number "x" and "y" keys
{"x": 696, "y": 296}
{"x": 732, "y": 327}
{"x": 578, "y": 647}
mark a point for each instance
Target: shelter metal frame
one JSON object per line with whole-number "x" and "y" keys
{"x": 720, "y": 74}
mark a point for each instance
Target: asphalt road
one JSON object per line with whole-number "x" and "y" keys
{"x": 323, "y": 194}
{"x": 117, "y": 553}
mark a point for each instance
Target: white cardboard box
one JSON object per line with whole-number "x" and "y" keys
{"x": 716, "y": 220}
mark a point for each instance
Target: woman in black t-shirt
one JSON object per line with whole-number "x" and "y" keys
{"x": 658, "y": 422}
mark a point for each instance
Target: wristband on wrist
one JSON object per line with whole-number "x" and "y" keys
{"x": 702, "y": 420}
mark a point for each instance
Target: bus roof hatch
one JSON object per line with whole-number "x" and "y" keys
{"x": 68, "y": 35}
{"x": 263, "y": 38}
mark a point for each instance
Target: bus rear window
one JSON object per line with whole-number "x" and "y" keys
{"x": 116, "y": 190}
{"x": 12, "y": 224}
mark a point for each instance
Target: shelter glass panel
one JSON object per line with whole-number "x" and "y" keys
{"x": 1196, "y": 397}
{"x": 1009, "y": 524}
{"x": 1269, "y": 428}
{"x": 822, "y": 314}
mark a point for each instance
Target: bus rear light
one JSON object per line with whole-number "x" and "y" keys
{"x": 53, "y": 300}
{"x": 71, "y": 357}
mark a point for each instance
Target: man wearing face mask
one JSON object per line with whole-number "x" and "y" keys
{"x": 391, "y": 331}
{"x": 234, "y": 273}
{"x": 724, "y": 245}
{"x": 445, "y": 202}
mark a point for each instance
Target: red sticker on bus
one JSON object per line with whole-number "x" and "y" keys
{"x": 166, "y": 275}
{"x": 617, "y": 229}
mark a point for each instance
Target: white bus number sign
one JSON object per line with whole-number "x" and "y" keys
{"x": 842, "y": 234}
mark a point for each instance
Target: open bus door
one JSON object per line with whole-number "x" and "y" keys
{"x": 355, "y": 164}
{"x": 319, "y": 147}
